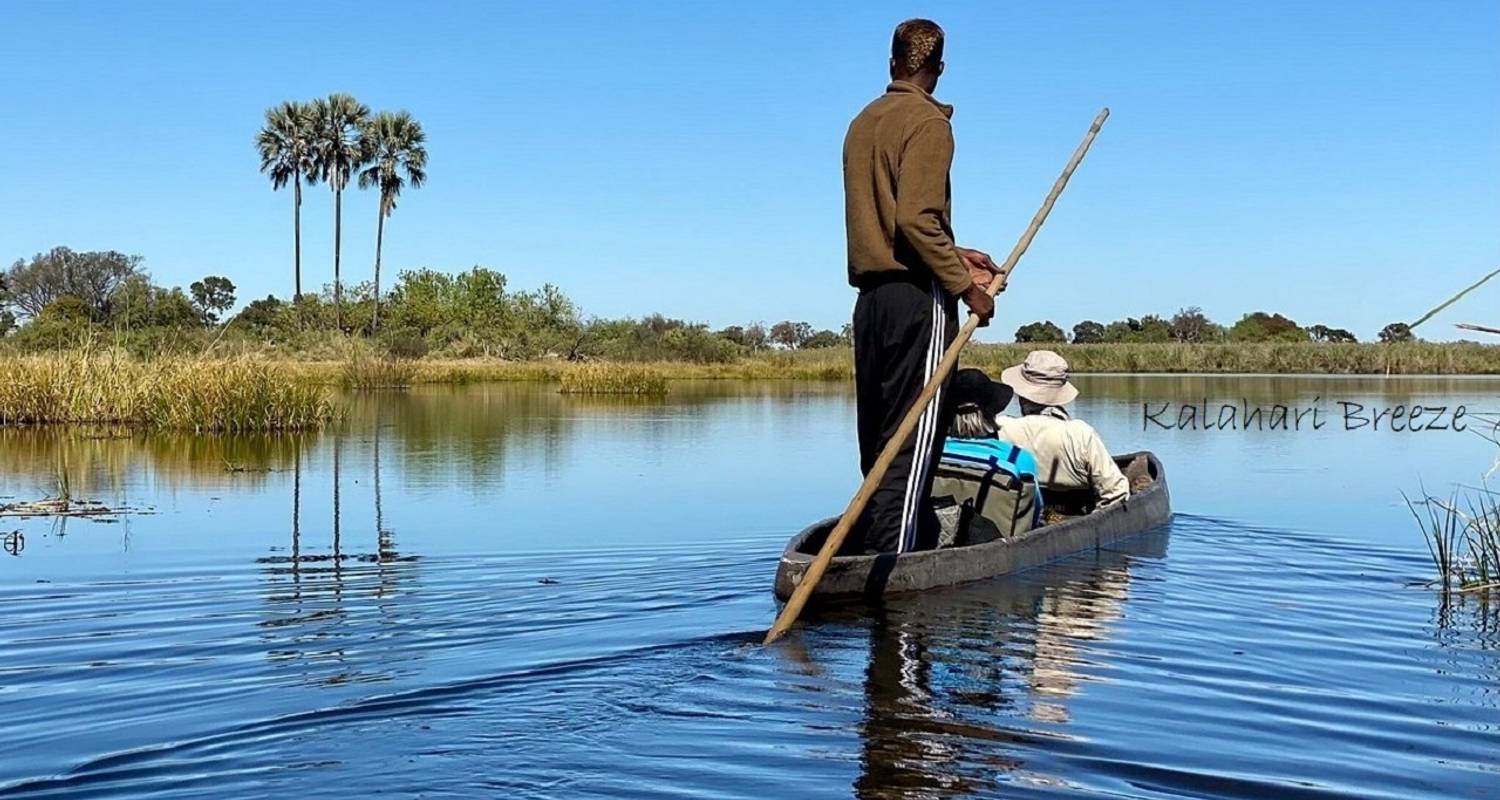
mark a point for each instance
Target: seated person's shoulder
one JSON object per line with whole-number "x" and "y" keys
{"x": 1012, "y": 457}
{"x": 1075, "y": 425}
{"x": 976, "y": 448}
{"x": 1029, "y": 422}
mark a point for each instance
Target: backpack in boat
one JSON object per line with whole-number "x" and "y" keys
{"x": 983, "y": 490}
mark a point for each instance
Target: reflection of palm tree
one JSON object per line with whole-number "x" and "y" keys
{"x": 338, "y": 555}
{"x": 385, "y": 540}
{"x": 379, "y": 517}
{"x": 318, "y": 602}
{"x": 297, "y": 523}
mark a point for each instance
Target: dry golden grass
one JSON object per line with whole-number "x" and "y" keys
{"x": 362, "y": 371}
{"x": 105, "y": 386}
{"x": 603, "y": 378}
{"x": 258, "y": 392}
{"x": 837, "y": 363}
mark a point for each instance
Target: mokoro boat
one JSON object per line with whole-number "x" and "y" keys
{"x": 872, "y": 576}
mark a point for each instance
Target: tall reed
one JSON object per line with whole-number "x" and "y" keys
{"x": 603, "y": 378}
{"x": 62, "y": 479}
{"x": 189, "y": 393}
{"x": 363, "y": 371}
{"x": 1463, "y": 538}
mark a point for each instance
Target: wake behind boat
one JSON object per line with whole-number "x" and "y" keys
{"x": 852, "y": 577}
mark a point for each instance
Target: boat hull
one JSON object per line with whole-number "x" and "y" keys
{"x": 869, "y": 577}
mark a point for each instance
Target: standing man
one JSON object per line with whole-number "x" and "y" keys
{"x": 909, "y": 274}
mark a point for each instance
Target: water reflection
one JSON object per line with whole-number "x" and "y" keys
{"x": 563, "y": 632}
{"x": 1464, "y": 617}
{"x": 335, "y": 616}
{"x": 441, "y": 434}
{"x": 961, "y": 683}
{"x": 111, "y": 464}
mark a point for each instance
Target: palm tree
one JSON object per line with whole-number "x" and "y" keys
{"x": 337, "y": 121}
{"x": 286, "y": 156}
{"x": 395, "y": 151}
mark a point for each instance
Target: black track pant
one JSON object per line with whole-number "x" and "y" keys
{"x": 901, "y": 328}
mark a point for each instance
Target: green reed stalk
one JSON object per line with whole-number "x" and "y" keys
{"x": 1464, "y": 545}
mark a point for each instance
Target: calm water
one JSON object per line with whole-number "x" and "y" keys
{"x": 497, "y": 591}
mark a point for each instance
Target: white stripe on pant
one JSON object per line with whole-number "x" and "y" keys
{"x": 922, "y": 443}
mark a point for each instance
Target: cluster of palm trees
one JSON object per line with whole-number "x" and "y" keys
{"x": 333, "y": 140}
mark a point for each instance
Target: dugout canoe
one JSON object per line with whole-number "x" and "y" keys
{"x": 854, "y": 577}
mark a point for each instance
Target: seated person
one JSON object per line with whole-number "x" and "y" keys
{"x": 977, "y": 403}
{"x": 983, "y": 488}
{"x": 1068, "y": 451}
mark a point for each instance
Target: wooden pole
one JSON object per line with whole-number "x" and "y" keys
{"x": 794, "y": 605}
{"x": 1454, "y": 299}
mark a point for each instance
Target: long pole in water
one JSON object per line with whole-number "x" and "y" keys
{"x": 793, "y": 608}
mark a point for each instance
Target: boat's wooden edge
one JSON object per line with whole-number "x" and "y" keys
{"x": 1144, "y": 503}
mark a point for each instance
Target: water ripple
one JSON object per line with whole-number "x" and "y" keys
{"x": 1125, "y": 673}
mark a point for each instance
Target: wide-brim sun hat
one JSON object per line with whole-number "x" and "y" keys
{"x": 1042, "y": 378}
{"x": 973, "y": 387}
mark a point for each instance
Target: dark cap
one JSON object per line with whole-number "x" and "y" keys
{"x": 973, "y": 387}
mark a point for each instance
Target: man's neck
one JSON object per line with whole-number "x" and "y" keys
{"x": 925, "y": 81}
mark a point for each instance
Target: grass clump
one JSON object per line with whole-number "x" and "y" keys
{"x": 1463, "y": 538}
{"x": 363, "y": 371}
{"x": 234, "y": 395}
{"x": 605, "y": 378}
{"x": 87, "y": 386}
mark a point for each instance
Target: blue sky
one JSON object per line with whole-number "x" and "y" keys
{"x": 1337, "y": 162}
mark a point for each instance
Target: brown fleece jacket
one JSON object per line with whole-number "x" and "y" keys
{"x": 896, "y": 192}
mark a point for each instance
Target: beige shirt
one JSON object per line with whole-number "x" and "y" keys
{"x": 1069, "y": 454}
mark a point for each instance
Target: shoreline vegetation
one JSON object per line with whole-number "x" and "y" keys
{"x": 88, "y": 337}
{"x": 250, "y": 390}
{"x": 837, "y": 363}
{"x": 109, "y": 387}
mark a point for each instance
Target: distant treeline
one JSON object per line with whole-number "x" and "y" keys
{"x": 1191, "y": 326}
{"x": 59, "y": 298}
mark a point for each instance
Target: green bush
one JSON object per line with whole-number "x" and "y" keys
{"x": 1263, "y": 327}
{"x": 1040, "y": 332}
{"x": 406, "y": 344}
{"x": 1088, "y": 332}
{"x": 51, "y": 333}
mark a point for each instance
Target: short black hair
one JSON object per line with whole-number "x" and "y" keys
{"x": 916, "y": 45}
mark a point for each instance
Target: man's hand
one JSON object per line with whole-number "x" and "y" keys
{"x": 982, "y": 268}
{"x": 979, "y": 302}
